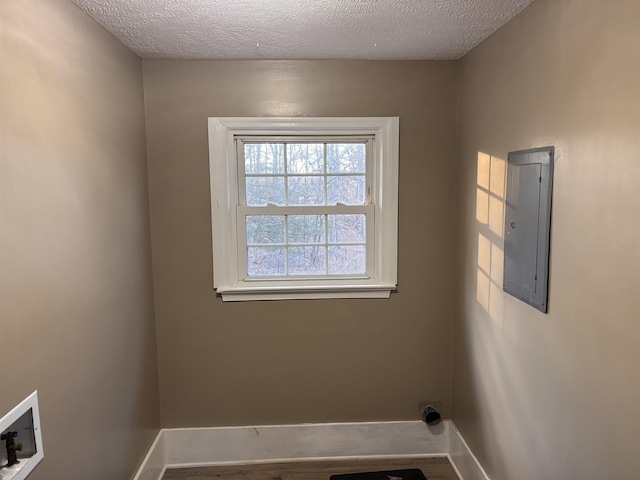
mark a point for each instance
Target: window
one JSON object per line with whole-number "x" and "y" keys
{"x": 304, "y": 207}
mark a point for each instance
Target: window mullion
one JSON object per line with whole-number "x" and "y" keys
{"x": 242, "y": 182}
{"x": 306, "y": 210}
{"x": 326, "y": 244}
{"x": 286, "y": 174}
{"x": 326, "y": 216}
{"x": 324, "y": 171}
{"x": 370, "y": 174}
{"x": 286, "y": 244}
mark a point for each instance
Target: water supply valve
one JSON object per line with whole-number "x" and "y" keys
{"x": 12, "y": 447}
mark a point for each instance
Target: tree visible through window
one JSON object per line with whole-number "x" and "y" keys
{"x": 300, "y": 240}
{"x": 304, "y": 207}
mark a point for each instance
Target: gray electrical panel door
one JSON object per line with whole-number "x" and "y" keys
{"x": 527, "y": 225}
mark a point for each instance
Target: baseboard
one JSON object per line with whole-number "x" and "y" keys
{"x": 200, "y": 447}
{"x": 154, "y": 464}
{"x": 462, "y": 458}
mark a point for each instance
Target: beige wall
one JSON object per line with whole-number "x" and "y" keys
{"x": 300, "y": 361}
{"x": 536, "y": 396}
{"x": 76, "y": 300}
{"x": 554, "y": 396}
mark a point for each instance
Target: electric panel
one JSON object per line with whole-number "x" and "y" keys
{"x": 527, "y": 225}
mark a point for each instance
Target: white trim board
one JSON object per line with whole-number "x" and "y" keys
{"x": 201, "y": 447}
{"x": 462, "y": 458}
{"x": 154, "y": 464}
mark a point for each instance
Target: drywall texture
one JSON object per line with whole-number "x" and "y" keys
{"x": 76, "y": 299}
{"x": 294, "y": 29}
{"x": 554, "y": 396}
{"x": 285, "y": 362}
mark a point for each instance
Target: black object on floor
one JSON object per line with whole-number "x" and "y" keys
{"x": 410, "y": 474}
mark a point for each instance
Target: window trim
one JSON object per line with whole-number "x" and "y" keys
{"x": 224, "y": 201}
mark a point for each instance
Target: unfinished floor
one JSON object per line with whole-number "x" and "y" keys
{"x": 434, "y": 468}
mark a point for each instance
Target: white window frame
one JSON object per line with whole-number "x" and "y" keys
{"x": 224, "y": 178}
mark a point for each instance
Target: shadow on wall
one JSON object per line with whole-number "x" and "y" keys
{"x": 493, "y": 350}
{"x": 490, "y": 198}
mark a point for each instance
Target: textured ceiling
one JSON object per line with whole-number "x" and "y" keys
{"x": 302, "y": 29}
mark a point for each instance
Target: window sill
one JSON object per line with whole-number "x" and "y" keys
{"x": 247, "y": 294}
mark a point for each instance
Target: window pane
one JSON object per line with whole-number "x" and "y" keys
{"x": 263, "y": 190}
{"x": 346, "y": 157}
{"x": 347, "y": 259}
{"x": 263, "y": 158}
{"x": 305, "y": 158}
{"x": 265, "y": 229}
{"x": 306, "y": 260}
{"x": 347, "y": 228}
{"x": 265, "y": 261}
{"x": 306, "y": 190}
{"x": 348, "y": 190}
{"x": 305, "y": 229}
